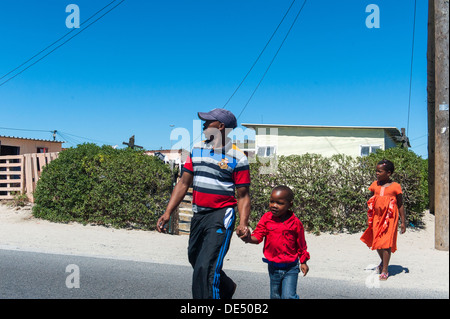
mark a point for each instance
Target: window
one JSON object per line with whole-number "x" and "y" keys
{"x": 374, "y": 148}
{"x": 367, "y": 149}
{"x": 9, "y": 150}
{"x": 42, "y": 150}
{"x": 265, "y": 151}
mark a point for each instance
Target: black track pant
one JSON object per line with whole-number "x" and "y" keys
{"x": 209, "y": 241}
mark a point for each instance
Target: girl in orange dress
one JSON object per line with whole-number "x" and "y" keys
{"x": 385, "y": 206}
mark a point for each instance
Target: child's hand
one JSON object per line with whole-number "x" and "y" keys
{"x": 402, "y": 228}
{"x": 245, "y": 235}
{"x": 249, "y": 238}
{"x": 304, "y": 268}
{"x": 242, "y": 231}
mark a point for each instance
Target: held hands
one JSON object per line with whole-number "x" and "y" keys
{"x": 243, "y": 233}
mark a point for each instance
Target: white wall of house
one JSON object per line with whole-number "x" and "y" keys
{"x": 327, "y": 141}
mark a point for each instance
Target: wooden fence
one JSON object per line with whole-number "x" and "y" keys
{"x": 20, "y": 173}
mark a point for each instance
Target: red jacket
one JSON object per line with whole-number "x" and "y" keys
{"x": 284, "y": 240}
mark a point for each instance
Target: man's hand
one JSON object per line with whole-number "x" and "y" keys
{"x": 244, "y": 212}
{"x": 242, "y": 231}
{"x": 162, "y": 221}
{"x": 178, "y": 194}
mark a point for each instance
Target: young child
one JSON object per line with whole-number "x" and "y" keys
{"x": 284, "y": 244}
{"x": 385, "y": 206}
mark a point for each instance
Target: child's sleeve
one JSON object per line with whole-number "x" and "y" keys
{"x": 398, "y": 189}
{"x": 260, "y": 231}
{"x": 372, "y": 187}
{"x": 302, "y": 247}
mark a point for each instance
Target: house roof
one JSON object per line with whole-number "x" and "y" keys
{"x": 391, "y": 131}
{"x": 30, "y": 139}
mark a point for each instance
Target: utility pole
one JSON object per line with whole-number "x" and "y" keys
{"x": 131, "y": 143}
{"x": 430, "y": 103}
{"x": 439, "y": 16}
{"x": 404, "y": 140}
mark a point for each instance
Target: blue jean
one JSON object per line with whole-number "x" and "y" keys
{"x": 283, "y": 282}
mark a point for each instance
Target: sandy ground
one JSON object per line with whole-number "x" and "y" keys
{"x": 416, "y": 264}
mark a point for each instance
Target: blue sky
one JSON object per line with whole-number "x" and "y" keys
{"x": 148, "y": 67}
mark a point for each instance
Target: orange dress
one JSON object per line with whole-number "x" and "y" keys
{"x": 383, "y": 217}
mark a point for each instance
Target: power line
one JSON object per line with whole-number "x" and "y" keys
{"x": 260, "y": 54}
{"x": 412, "y": 59}
{"x": 85, "y": 138}
{"x": 256, "y": 61}
{"x": 56, "y": 41}
{"x": 23, "y": 129}
{"x": 417, "y": 146}
{"x": 273, "y": 59}
{"x": 66, "y": 136}
{"x": 12, "y": 77}
{"x": 68, "y": 140}
{"x": 416, "y": 138}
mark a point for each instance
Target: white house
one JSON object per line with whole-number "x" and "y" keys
{"x": 325, "y": 140}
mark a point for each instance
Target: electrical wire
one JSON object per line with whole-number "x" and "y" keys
{"x": 12, "y": 77}
{"x": 23, "y": 129}
{"x": 71, "y": 138}
{"x": 56, "y": 41}
{"x": 416, "y": 138}
{"x": 260, "y": 54}
{"x": 417, "y": 146}
{"x": 254, "y": 63}
{"x": 273, "y": 59}
{"x": 411, "y": 72}
{"x": 85, "y": 138}
{"x": 29, "y": 130}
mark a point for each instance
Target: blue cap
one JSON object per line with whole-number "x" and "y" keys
{"x": 221, "y": 115}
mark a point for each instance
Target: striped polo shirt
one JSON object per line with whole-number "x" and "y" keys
{"x": 217, "y": 172}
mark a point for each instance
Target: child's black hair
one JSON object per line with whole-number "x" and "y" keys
{"x": 388, "y": 165}
{"x": 290, "y": 193}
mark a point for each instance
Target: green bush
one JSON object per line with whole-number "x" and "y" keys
{"x": 102, "y": 185}
{"x": 331, "y": 192}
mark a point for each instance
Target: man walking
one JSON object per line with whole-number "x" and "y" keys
{"x": 216, "y": 168}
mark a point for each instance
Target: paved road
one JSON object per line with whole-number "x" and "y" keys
{"x": 39, "y": 275}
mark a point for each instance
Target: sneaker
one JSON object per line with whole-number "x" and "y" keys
{"x": 230, "y": 294}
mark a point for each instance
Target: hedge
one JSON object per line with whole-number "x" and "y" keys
{"x": 105, "y": 186}
{"x": 331, "y": 192}
{"x": 126, "y": 188}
